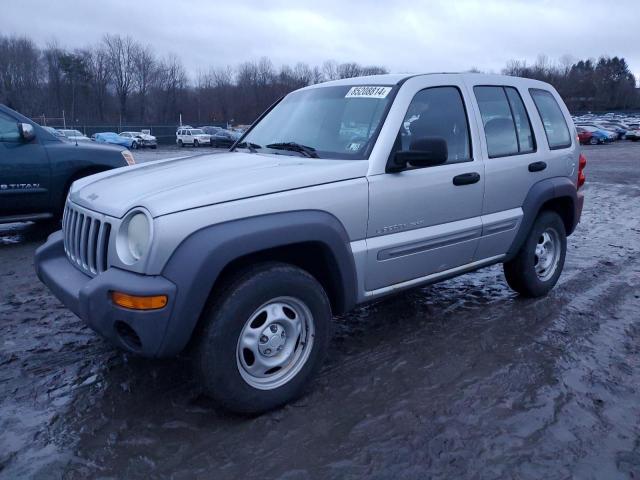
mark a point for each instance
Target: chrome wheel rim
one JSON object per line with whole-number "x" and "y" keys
{"x": 547, "y": 254}
{"x": 275, "y": 343}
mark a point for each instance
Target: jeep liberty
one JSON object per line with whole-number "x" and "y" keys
{"x": 340, "y": 194}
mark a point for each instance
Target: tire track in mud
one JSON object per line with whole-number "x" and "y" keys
{"x": 576, "y": 289}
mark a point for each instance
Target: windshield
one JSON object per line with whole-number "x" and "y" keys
{"x": 333, "y": 122}
{"x": 197, "y": 131}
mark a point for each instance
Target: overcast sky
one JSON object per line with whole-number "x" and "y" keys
{"x": 404, "y": 36}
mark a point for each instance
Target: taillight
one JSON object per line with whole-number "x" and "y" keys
{"x": 582, "y": 162}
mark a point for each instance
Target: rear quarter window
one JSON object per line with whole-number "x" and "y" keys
{"x": 555, "y": 125}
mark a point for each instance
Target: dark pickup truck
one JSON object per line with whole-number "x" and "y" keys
{"x": 37, "y": 168}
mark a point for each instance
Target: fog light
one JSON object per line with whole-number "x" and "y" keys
{"x": 135, "y": 302}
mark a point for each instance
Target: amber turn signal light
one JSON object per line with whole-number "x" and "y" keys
{"x": 135, "y": 302}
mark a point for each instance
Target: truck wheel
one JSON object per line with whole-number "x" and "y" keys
{"x": 538, "y": 265}
{"x": 180, "y": 144}
{"x": 265, "y": 336}
{"x": 195, "y": 143}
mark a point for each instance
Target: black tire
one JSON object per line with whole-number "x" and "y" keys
{"x": 195, "y": 144}
{"x": 217, "y": 352}
{"x": 180, "y": 144}
{"x": 521, "y": 273}
{"x": 593, "y": 141}
{"x": 134, "y": 146}
{"x": 153, "y": 147}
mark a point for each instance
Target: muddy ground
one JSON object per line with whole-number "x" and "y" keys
{"x": 463, "y": 379}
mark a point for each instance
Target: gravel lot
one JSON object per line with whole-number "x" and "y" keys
{"x": 458, "y": 380}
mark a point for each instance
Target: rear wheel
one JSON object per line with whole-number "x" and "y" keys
{"x": 593, "y": 141}
{"x": 537, "y": 266}
{"x": 180, "y": 144}
{"x": 265, "y": 336}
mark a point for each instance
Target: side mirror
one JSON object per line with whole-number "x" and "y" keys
{"x": 27, "y": 133}
{"x": 423, "y": 152}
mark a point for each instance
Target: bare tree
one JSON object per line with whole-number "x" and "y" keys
{"x": 145, "y": 70}
{"x": 19, "y": 71}
{"x": 172, "y": 81}
{"x": 100, "y": 75}
{"x": 330, "y": 70}
{"x": 121, "y": 52}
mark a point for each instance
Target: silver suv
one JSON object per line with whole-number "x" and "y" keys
{"x": 338, "y": 195}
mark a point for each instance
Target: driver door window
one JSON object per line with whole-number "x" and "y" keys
{"x": 437, "y": 112}
{"x": 8, "y": 129}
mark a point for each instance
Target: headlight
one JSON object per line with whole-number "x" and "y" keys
{"x": 134, "y": 237}
{"x": 128, "y": 157}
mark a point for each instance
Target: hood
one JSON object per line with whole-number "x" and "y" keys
{"x": 172, "y": 185}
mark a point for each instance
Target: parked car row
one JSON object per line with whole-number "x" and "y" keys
{"x": 600, "y": 129}
{"x": 132, "y": 140}
{"x": 206, "y": 136}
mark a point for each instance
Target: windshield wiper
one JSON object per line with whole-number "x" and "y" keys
{"x": 252, "y": 147}
{"x": 295, "y": 147}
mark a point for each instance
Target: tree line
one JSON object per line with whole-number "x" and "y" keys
{"x": 585, "y": 85}
{"x": 120, "y": 80}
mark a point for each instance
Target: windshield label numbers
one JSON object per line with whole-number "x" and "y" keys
{"x": 368, "y": 92}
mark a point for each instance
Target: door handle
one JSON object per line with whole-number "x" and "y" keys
{"x": 537, "y": 166}
{"x": 466, "y": 178}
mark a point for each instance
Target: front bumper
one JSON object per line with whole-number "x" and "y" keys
{"x": 90, "y": 299}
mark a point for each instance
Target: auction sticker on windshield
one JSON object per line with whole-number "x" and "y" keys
{"x": 368, "y": 92}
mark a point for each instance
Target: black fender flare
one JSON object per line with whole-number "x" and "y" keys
{"x": 539, "y": 194}
{"x": 198, "y": 261}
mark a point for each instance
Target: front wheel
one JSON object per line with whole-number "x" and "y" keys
{"x": 195, "y": 144}
{"x": 264, "y": 338}
{"x": 134, "y": 146}
{"x": 537, "y": 266}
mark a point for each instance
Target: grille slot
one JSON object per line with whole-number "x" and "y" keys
{"x": 86, "y": 239}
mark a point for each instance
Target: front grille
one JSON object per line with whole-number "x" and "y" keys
{"x": 86, "y": 239}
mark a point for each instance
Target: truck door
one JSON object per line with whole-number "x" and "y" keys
{"x": 24, "y": 171}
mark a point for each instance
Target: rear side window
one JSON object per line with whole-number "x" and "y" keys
{"x": 505, "y": 121}
{"x": 552, "y": 118}
{"x": 526, "y": 142}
